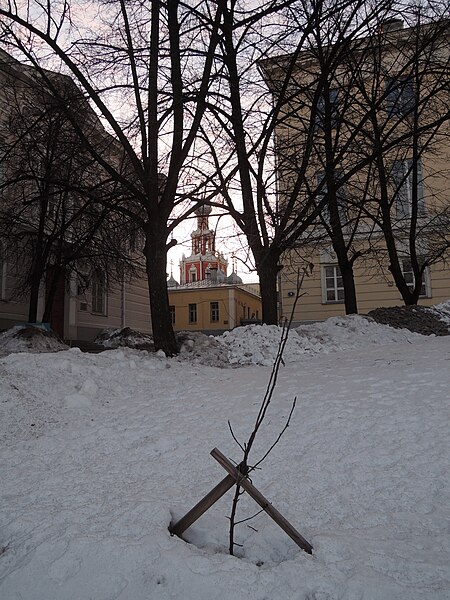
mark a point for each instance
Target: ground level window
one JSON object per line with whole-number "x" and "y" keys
{"x": 214, "y": 311}
{"x": 192, "y": 313}
{"x": 98, "y": 293}
{"x": 172, "y": 314}
{"x": 410, "y": 281}
{"x": 333, "y": 288}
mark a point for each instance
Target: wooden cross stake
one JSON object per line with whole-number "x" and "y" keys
{"x": 237, "y": 476}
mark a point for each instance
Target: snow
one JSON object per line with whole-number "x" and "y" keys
{"x": 259, "y": 345}
{"x": 442, "y": 311}
{"x": 115, "y": 338}
{"x": 99, "y": 453}
{"x": 29, "y": 339}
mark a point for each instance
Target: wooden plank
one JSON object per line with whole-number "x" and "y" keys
{"x": 262, "y": 501}
{"x": 202, "y": 506}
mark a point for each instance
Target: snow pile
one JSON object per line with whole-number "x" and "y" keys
{"x": 442, "y": 311}
{"x": 29, "y": 339}
{"x": 258, "y": 344}
{"x": 198, "y": 348}
{"x": 416, "y": 318}
{"x": 351, "y": 332}
{"x": 125, "y": 337}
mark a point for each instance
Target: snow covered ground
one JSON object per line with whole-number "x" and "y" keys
{"x": 100, "y": 452}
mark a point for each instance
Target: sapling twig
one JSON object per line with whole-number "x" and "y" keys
{"x": 264, "y": 406}
{"x": 249, "y": 518}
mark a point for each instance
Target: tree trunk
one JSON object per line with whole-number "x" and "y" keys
{"x": 394, "y": 261}
{"x": 268, "y": 273}
{"x": 55, "y": 275}
{"x": 34, "y": 295}
{"x": 40, "y": 256}
{"x": 395, "y": 269}
{"x": 346, "y": 269}
{"x": 348, "y": 281}
{"x": 156, "y": 257}
{"x": 411, "y": 301}
{"x": 345, "y": 264}
{"x": 36, "y": 274}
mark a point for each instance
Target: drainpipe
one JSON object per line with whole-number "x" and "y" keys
{"x": 231, "y": 309}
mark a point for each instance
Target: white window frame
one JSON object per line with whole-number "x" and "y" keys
{"x": 214, "y": 312}
{"x": 402, "y": 179}
{"x": 341, "y": 194}
{"x": 192, "y": 313}
{"x": 192, "y": 274}
{"x": 98, "y": 284}
{"x": 172, "y": 311}
{"x": 408, "y": 274}
{"x": 338, "y": 290}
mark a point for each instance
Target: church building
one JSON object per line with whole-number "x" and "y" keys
{"x": 207, "y": 299}
{"x": 204, "y": 263}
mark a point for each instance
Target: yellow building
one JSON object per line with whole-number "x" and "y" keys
{"x": 322, "y": 289}
{"x": 382, "y": 81}
{"x": 77, "y": 314}
{"x": 212, "y": 307}
{"x": 208, "y": 300}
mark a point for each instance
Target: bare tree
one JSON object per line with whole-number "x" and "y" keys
{"x": 305, "y": 159}
{"x": 325, "y": 150}
{"x": 146, "y": 70}
{"x": 52, "y": 206}
{"x": 408, "y": 102}
{"x": 275, "y": 145}
{"x": 246, "y": 447}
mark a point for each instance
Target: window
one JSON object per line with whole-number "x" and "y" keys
{"x": 214, "y": 312}
{"x": 172, "y": 314}
{"x": 410, "y": 281}
{"x": 402, "y": 178}
{"x": 332, "y": 286}
{"x": 192, "y": 313}
{"x": 98, "y": 293}
{"x": 340, "y": 193}
{"x": 400, "y": 95}
{"x": 333, "y": 100}
{"x": 192, "y": 274}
